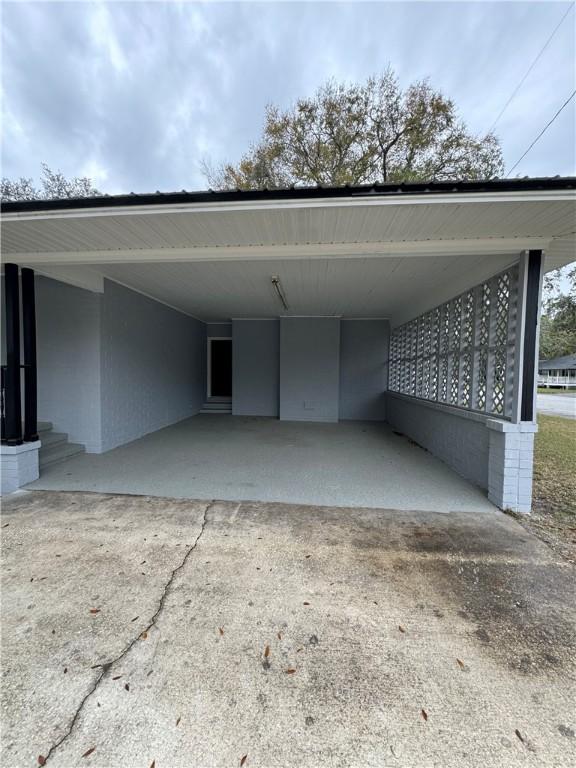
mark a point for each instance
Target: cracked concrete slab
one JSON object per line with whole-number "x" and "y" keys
{"x": 310, "y": 636}
{"x": 82, "y": 575}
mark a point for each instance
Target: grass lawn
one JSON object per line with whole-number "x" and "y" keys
{"x": 555, "y": 466}
{"x": 554, "y": 505}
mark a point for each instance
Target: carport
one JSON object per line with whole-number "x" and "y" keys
{"x": 408, "y": 311}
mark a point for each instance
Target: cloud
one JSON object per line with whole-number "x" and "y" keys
{"x": 137, "y": 94}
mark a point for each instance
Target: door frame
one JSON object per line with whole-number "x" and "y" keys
{"x": 210, "y": 339}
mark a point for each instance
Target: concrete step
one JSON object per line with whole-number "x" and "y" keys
{"x": 58, "y": 452}
{"x": 52, "y": 438}
{"x": 216, "y": 407}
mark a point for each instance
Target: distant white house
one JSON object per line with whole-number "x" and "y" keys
{"x": 557, "y": 372}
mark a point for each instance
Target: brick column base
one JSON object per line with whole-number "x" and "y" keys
{"x": 510, "y": 464}
{"x": 18, "y": 466}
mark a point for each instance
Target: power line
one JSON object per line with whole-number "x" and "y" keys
{"x": 530, "y": 68}
{"x": 542, "y": 132}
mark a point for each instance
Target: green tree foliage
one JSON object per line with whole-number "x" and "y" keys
{"x": 558, "y": 321}
{"x": 363, "y": 133}
{"x": 53, "y": 184}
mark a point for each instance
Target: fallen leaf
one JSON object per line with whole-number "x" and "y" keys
{"x": 290, "y": 671}
{"x": 41, "y": 758}
{"x": 88, "y": 752}
{"x": 266, "y": 651}
{"x": 424, "y": 714}
{"x": 243, "y": 759}
{"x": 144, "y": 635}
{"x": 460, "y": 664}
{"x": 178, "y": 720}
{"x": 221, "y": 631}
{"x": 94, "y": 610}
{"x": 401, "y": 628}
{"x": 127, "y": 686}
{"x": 517, "y": 732}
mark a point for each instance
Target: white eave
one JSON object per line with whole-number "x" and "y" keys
{"x": 343, "y": 227}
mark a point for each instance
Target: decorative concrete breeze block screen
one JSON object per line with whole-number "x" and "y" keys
{"x": 462, "y": 352}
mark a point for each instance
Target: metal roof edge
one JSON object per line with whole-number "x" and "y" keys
{"x": 404, "y": 189}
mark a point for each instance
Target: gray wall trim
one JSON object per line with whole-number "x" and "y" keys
{"x": 452, "y": 410}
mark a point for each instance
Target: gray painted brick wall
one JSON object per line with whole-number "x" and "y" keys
{"x": 18, "y": 466}
{"x": 511, "y": 465}
{"x": 495, "y": 454}
{"x": 459, "y": 441}
{"x": 152, "y": 365}
{"x": 255, "y": 367}
{"x": 68, "y": 356}
{"x": 363, "y": 369}
{"x": 309, "y": 368}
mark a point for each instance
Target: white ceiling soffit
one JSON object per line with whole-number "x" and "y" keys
{"x": 393, "y": 287}
{"x": 293, "y": 229}
{"x": 560, "y": 252}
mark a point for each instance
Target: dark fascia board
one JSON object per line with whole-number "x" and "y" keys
{"x": 294, "y": 193}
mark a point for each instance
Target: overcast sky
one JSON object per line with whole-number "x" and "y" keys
{"x": 136, "y": 94}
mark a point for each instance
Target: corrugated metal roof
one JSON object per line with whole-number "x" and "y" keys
{"x": 297, "y": 193}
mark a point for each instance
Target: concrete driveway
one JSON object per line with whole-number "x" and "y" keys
{"x": 557, "y": 405}
{"x": 142, "y": 632}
